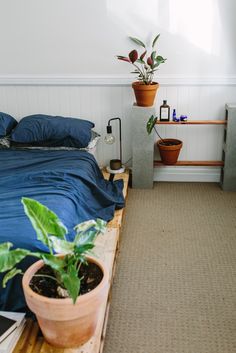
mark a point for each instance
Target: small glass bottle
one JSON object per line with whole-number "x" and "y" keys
{"x": 164, "y": 111}
{"x": 174, "y": 115}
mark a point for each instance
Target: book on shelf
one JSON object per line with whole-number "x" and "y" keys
{"x": 11, "y": 327}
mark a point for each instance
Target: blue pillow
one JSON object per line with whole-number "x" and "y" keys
{"x": 7, "y": 123}
{"x": 46, "y": 130}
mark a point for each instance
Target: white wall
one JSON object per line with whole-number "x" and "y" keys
{"x": 83, "y": 36}
{"x": 58, "y": 57}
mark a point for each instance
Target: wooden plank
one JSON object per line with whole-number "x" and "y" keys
{"x": 38, "y": 345}
{"x": 193, "y": 163}
{"x": 102, "y": 341}
{"x": 32, "y": 339}
{"x": 106, "y": 248}
{"x": 105, "y": 321}
{"x": 105, "y": 174}
{"x": 193, "y": 122}
{"x": 117, "y": 220}
{"x": 23, "y": 341}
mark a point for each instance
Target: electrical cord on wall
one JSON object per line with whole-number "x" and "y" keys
{"x": 130, "y": 159}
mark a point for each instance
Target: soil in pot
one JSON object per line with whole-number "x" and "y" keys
{"x": 91, "y": 275}
{"x": 169, "y": 150}
{"x": 169, "y": 143}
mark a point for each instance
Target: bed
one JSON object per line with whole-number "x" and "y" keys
{"x": 68, "y": 182}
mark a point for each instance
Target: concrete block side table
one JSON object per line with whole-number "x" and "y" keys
{"x": 228, "y": 173}
{"x": 142, "y": 148}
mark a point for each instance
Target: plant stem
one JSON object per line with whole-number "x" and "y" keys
{"x": 164, "y": 143}
{"x": 48, "y": 276}
{"x": 143, "y": 70}
{"x": 78, "y": 268}
{"x": 139, "y": 70}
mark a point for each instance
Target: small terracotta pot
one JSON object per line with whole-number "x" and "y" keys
{"x": 169, "y": 154}
{"x": 115, "y": 164}
{"x": 63, "y": 323}
{"x": 145, "y": 94}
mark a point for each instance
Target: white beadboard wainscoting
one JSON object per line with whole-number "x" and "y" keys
{"x": 187, "y": 174}
{"x": 100, "y": 98}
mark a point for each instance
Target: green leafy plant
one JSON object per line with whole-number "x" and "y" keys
{"x": 51, "y": 232}
{"x": 151, "y": 124}
{"x": 145, "y": 64}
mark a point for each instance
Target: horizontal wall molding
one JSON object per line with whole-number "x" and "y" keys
{"x": 112, "y": 80}
{"x": 184, "y": 174}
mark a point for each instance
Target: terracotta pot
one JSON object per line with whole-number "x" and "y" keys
{"x": 145, "y": 94}
{"x": 115, "y": 164}
{"x": 63, "y": 323}
{"x": 169, "y": 154}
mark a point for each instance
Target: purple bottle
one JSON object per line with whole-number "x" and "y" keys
{"x": 174, "y": 117}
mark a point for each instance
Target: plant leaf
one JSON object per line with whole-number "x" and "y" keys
{"x": 153, "y": 56}
{"x": 156, "y": 65}
{"x": 71, "y": 282}
{"x": 55, "y": 262}
{"x": 82, "y": 227}
{"x": 43, "y": 220}
{"x": 61, "y": 246}
{"x": 84, "y": 238}
{"x": 5, "y": 247}
{"x": 155, "y": 40}
{"x": 9, "y": 258}
{"x": 140, "y": 61}
{"x": 83, "y": 249}
{"x": 123, "y": 58}
{"x": 138, "y": 41}
{"x": 133, "y": 56}
{"x": 100, "y": 225}
{"x": 159, "y": 59}
{"x": 13, "y": 272}
{"x": 149, "y": 61}
{"x": 143, "y": 55}
{"x": 150, "y": 124}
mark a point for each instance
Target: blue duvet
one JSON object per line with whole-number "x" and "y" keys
{"x": 68, "y": 182}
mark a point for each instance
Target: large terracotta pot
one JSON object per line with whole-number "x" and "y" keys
{"x": 169, "y": 154}
{"x": 63, "y": 323}
{"x": 145, "y": 94}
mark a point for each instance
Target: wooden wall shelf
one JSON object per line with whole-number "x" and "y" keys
{"x": 193, "y": 163}
{"x": 193, "y": 122}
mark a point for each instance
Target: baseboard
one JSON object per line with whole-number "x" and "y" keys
{"x": 187, "y": 174}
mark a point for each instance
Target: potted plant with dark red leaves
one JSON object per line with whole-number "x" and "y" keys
{"x": 145, "y": 66}
{"x": 169, "y": 148}
{"x": 66, "y": 288}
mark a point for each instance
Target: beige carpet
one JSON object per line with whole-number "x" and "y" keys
{"x": 175, "y": 285}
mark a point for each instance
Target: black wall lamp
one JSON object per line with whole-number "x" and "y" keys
{"x": 115, "y": 164}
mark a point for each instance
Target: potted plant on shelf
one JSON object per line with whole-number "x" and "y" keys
{"x": 169, "y": 148}
{"x": 145, "y": 65}
{"x": 64, "y": 291}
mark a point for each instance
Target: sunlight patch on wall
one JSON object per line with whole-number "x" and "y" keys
{"x": 198, "y": 22}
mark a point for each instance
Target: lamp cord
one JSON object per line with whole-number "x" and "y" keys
{"x": 130, "y": 159}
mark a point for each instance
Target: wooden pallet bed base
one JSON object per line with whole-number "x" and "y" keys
{"x": 106, "y": 249}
